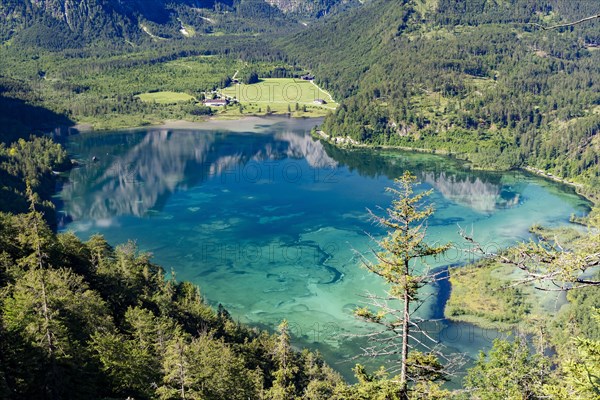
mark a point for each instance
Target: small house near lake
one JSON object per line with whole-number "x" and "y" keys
{"x": 215, "y": 102}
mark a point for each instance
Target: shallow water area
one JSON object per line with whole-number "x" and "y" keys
{"x": 268, "y": 221}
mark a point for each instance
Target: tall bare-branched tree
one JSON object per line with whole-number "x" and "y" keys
{"x": 400, "y": 262}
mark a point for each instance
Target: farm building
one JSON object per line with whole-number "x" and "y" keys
{"x": 215, "y": 102}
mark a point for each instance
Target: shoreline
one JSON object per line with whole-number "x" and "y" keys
{"x": 347, "y": 143}
{"x": 241, "y": 123}
{"x": 85, "y": 127}
{"x": 548, "y": 175}
{"x": 183, "y": 124}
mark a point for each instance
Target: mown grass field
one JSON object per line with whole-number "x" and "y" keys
{"x": 165, "y": 97}
{"x": 281, "y": 96}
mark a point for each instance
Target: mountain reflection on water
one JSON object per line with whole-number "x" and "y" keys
{"x": 472, "y": 191}
{"x": 135, "y": 173}
{"x": 141, "y": 178}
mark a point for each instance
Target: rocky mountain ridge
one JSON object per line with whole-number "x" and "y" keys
{"x": 41, "y": 21}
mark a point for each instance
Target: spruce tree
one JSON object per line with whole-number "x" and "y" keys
{"x": 283, "y": 385}
{"x": 397, "y": 262}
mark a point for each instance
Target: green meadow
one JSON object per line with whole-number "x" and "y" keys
{"x": 165, "y": 97}
{"x": 280, "y": 96}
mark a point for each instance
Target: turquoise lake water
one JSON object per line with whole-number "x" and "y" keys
{"x": 268, "y": 221}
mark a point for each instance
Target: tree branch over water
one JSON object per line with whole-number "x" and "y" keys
{"x": 549, "y": 265}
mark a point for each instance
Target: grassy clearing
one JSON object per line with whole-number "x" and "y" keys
{"x": 479, "y": 296}
{"x": 280, "y": 96}
{"x": 119, "y": 121}
{"x": 105, "y": 92}
{"x": 425, "y": 7}
{"x": 165, "y": 97}
{"x": 484, "y": 293}
{"x": 187, "y": 30}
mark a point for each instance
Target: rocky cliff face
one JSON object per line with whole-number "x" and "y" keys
{"x": 62, "y": 23}
{"x": 89, "y": 18}
{"x": 76, "y": 14}
{"x": 69, "y": 10}
{"x": 64, "y": 19}
{"x": 315, "y": 8}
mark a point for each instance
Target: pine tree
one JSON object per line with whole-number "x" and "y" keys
{"x": 579, "y": 373}
{"x": 551, "y": 265}
{"x": 176, "y": 366}
{"x": 283, "y": 385}
{"x": 509, "y": 371}
{"x": 322, "y": 382}
{"x": 205, "y": 368}
{"x": 54, "y": 312}
{"x": 133, "y": 360}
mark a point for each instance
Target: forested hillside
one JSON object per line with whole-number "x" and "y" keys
{"x": 64, "y": 63}
{"x": 478, "y": 78}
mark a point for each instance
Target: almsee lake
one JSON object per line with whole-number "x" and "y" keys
{"x": 269, "y": 222}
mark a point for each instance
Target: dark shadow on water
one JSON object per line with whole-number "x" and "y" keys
{"x": 20, "y": 119}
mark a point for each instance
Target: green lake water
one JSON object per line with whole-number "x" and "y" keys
{"x": 268, "y": 221}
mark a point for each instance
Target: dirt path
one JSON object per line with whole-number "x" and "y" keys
{"x": 147, "y": 31}
{"x": 324, "y": 91}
